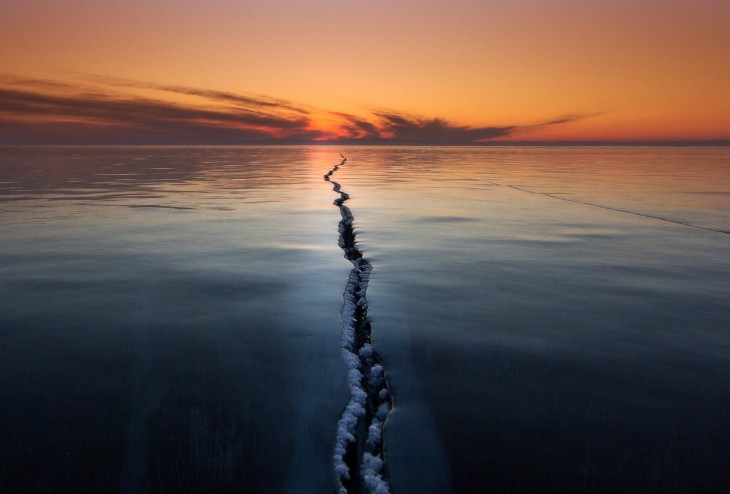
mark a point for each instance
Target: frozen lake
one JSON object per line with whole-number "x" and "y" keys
{"x": 550, "y": 319}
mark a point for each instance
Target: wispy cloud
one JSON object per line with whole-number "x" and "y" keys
{"x": 353, "y": 127}
{"x": 100, "y": 109}
{"x": 568, "y": 118}
{"x": 248, "y": 102}
{"x": 388, "y": 126}
{"x": 413, "y": 130}
{"x": 97, "y": 114}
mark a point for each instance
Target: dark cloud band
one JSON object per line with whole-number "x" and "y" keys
{"x": 99, "y": 111}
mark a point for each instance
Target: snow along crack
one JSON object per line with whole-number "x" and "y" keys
{"x": 358, "y": 458}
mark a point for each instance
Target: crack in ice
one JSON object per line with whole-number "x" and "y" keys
{"x": 595, "y": 205}
{"x": 359, "y": 463}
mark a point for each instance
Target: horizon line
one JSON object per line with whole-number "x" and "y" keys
{"x": 367, "y": 142}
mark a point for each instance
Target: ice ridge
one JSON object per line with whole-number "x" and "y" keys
{"x": 359, "y": 462}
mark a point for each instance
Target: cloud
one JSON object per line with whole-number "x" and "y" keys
{"x": 392, "y": 127}
{"x": 134, "y": 110}
{"x": 411, "y": 130}
{"x": 258, "y": 101}
{"x": 357, "y": 128}
{"x": 572, "y": 117}
{"x": 37, "y": 110}
{"x": 102, "y": 110}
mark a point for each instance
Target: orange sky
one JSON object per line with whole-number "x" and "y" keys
{"x": 617, "y": 71}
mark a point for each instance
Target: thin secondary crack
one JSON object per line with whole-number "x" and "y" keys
{"x": 618, "y": 210}
{"x": 593, "y": 204}
{"x": 358, "y": 458}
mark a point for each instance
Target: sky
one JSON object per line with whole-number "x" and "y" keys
{"x": 405, "y": 72}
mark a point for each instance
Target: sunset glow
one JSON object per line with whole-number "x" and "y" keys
{"x": 412, "y": 72}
